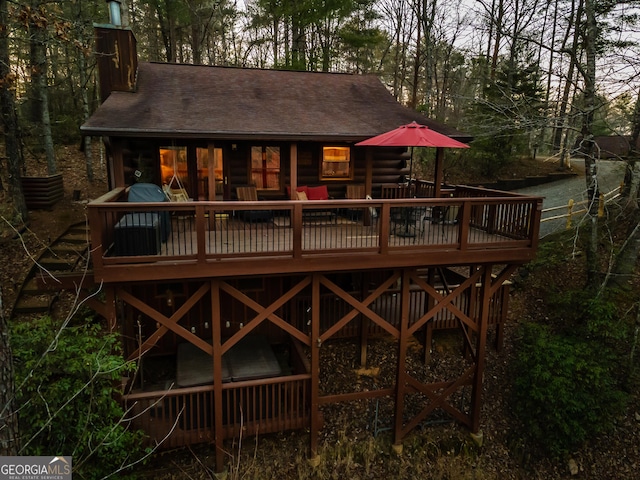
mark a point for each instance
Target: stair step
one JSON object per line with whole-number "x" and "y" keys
{"x": 31, "y": 287}
{"x": 34, "y": 304}
{"x": 56, "y": 264}
{"x": 66, "y": 247}
{"x": 84, "y": 229}
{"x": 77, "y": 238}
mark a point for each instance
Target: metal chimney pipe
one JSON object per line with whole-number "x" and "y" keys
{"x": 114, "y": 13}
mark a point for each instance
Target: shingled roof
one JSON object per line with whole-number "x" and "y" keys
{"x": 188, "y": 101}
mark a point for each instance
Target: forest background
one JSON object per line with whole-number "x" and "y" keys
{"x": 525, "y": 78}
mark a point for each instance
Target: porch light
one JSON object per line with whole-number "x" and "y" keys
{"x": 114, "y": 12}
{"x": 169, "y": 296}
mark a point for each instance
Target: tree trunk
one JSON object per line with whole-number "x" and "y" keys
{"x": 496, "y": 45}
{"x": 562, "y": 127}
{"x": 590, "y": 165}
{"x": 38, "y": 52}
{"x": 416, "y": 61}
{"x": 13, "y": 152}
{"x": 623, "y": 270}
{"x": 8, "y": 412}
{"x": 84, "y": 87}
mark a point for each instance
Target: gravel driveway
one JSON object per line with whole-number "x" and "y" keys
{"x": 558, "y": 193}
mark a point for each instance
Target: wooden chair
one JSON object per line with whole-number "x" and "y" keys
{"x": 250, "y": 194}
{"x": 396, "y": 190}
{"x": 354, "y": 192}
{"x": 247, "y": 194}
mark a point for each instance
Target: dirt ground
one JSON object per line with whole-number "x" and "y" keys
{"x": 615, "y": 455}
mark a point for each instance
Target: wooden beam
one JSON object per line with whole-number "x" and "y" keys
{"x": 401, "y": 373}
{"x": 293, "y": 171}
{"x": 216, "y": 337}
{"x": 483, "y": 320}
{"x": 211, "y": 171}
{"x": 167, "y": 324}
{"x": 438, "y": 393}
{"x": 316, "y": 343}
{"x": 361, "y": 307}
{"x": 264, "y": 313}
{"x": 444, "y": 302}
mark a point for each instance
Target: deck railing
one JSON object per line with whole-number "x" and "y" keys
{"x": 199, "y": 233}
{"x": 183, "y": 416}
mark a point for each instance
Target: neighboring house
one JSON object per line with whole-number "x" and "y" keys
{"x": 613, "y": 146}
{"x": 227, "y": 311}
{"x": 609, "y": 146}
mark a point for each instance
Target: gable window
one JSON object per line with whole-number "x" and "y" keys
{"x": 265, "y": 167}
{"x": 336, "y": 163}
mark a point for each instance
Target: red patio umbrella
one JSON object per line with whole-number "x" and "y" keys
{"x": 416, "y": 135}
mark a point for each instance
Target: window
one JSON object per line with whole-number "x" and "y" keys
{"x": 265, "y": 167}
{"x": 336, "y": 163}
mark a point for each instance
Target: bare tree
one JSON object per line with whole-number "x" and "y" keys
{"x": 10, "y": 119}
{"x": 38, "y": 38}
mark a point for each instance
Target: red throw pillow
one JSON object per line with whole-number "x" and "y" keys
{"x": 318, "y": 193}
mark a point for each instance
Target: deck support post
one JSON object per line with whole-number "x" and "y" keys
{"x": 293, "y": 171}
{"x": 402, "y": 357}
{"x": 428, "y": 328}
{"x": 110, "y": 309}
{"x": 216, "y": 333}
{"x": 316, "y": 344}
{"x": 364, "y": 326}
{"x": 483, "y": 323}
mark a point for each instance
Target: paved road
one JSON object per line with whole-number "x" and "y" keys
{"x": 558, "y": 193}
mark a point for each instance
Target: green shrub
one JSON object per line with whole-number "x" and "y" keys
{"x": 566, "y": 389}
{"x": 65, "y": 384}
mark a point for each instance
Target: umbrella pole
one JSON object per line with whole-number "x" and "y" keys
{"x": 408, "y": 210}
{"x": 437, "y": 183}
{"x": 410, "y": 168}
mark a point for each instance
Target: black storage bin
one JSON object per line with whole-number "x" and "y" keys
{"x": 137, "y": 234}
{"x": 150, "y": 192}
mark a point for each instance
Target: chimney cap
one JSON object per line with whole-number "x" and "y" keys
{"x": 115, "y": 17}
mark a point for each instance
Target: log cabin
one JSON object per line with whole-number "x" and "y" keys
{"x": 228, "y": 311}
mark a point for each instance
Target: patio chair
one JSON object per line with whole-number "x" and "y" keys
{"x": 250, "y": 194}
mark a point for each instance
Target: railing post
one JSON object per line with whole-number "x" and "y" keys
{"x": 296, "y": 226}
{"x": 383, "y": 231}
{"x": 201, "y": 233}
{"x": 463, "y": 227}
{"x": 569, "y": 212}
{"x": 601, "y": 206}
{"x": 97, "y": 234}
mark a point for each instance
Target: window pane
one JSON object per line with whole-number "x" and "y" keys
{"x": 265, "y": 167}
{"x": 336, "y": 162}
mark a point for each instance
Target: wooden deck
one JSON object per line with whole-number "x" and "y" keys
{"x": 311, "y": 236}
